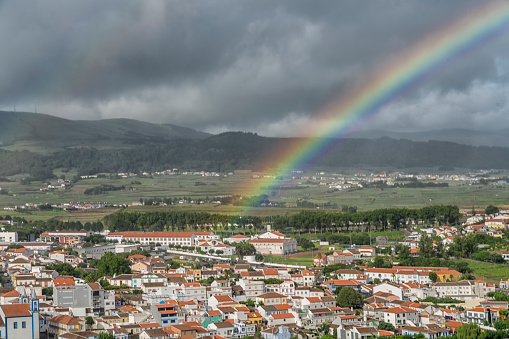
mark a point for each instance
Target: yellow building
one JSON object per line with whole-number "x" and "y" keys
{"x": 448, "y": 275}
{"x": 64, "y": 324}
{"x": 255, "y": 318}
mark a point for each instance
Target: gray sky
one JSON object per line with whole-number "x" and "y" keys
{"x": 264, "y": 66}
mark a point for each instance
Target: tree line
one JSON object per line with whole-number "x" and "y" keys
{"x": 302, "y": 222}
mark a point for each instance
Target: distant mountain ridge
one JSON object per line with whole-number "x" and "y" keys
{"x": 457, "y": 135}
{"x": 44, "y": 128}
{"x": 22, "y": 126}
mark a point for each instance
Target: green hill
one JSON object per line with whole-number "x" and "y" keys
{"x": 18, "y": 127}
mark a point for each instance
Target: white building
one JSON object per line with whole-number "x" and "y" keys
{"x": 401, "y": 316}
{"x": 9, "y": 237}
{"x": 252, "y": 288}
{"x": 21, "y": 320}
{"x": 274, "y": 246}
{"x": 164, "y": 238}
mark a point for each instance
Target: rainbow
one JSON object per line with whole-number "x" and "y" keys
{"x": 387, "y": 83}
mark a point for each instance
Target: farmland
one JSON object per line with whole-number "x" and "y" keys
{"x": 199, "y": 187}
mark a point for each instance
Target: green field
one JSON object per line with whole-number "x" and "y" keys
{"x": 491, "y": 273}
{"x": 195, "y": 186}
{"x": 303, "y": 260}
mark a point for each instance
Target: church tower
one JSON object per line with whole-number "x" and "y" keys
{"x": 23, "y": 299}
{"x": 34, "y": 310}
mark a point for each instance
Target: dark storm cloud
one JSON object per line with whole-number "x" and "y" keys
{"x": 264, "y": 66}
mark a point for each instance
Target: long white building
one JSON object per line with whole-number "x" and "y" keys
{"x": 165, "y": 238}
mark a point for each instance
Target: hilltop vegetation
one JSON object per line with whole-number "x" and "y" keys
{"x": 42, "y": 128}
{"x": 232, "y": 151}
{"x": 124, "y": 145}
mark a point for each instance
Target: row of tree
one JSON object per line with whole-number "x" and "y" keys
{"x": 304, "y": 221}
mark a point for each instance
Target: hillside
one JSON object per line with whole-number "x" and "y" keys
{"x": 42, "y": 128}
{"x": 231, "y": 151}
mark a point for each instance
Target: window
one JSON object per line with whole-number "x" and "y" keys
{"x": 15, "y": 325}
{"x": 23, "y": 324}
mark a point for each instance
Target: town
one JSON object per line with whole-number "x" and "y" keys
{"x": 197, "y": 284}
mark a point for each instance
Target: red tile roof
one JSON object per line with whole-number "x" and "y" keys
{"x": 65, "y": 319}
{"x": 16, "y": 310}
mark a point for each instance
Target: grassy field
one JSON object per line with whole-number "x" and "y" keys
{"x": 491, "y": 273}
{"x": 303, "y": 260}
{"x": 194, "y": 186}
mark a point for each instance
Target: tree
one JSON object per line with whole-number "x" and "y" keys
{"x": 500, "y": 325}
{"x": 426, "y": 247}
{"x": 491, "y": 210}
{"x": 244, "y": 248}
{"x": 467, "y": 331}
{"x": 89, "y": 321}
{"x": 378, "y": 262}
{"x": 348, "y": 297}
{"x": 385, "y": 326}
{"x": 47, "y": 291}
{"x": 250, "y": 302}
{"x": 404, "y": 255}
{"x": 105, "y": 335}
{"x": 324, "y": 328}
{"x": 14, "y": 246}
{"x": 112, "y": 264}
{"x": 433, "y": 277}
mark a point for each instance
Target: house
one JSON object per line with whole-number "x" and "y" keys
{"x": 463, "y": 290}
{"x": 361, "y": 332}
{"x": 120, "y": 280}
{"x": 252, "y": 288}
{"x": 216, "y": 300}
{"x": 334, "y": 283}
{"x": 428, "y": 333}
{"x": 319, "y": 316}
{"x": 389, "y": 288}
{"x": 165, "y": 314}
{"x": 224, "y": 329}
{"x": 210, "y": 317}
{"x": 280, "y": 332}
{"x": 320, "y": 260}
{"x": 449, "y": 275}
{"x": 243, "y": 329}
{"x": 139, "y": 279}
{"x": 478, "y": 315}
{"x": 254, "y": 318}
{"x": 157, "y": 333}
{"x": 346, "y": 274}
{"x": 504, "y": 254}
{"x": 271, "y": 298}
{"x": 184, "y": 331}
{"x": 401, "y": 316}
{"x": 61, "y": 324}
{"x": 339, "y": 257}
{"x": 281, "y": 319}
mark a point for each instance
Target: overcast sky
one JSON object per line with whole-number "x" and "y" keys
{"x": 259, "y": 66}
